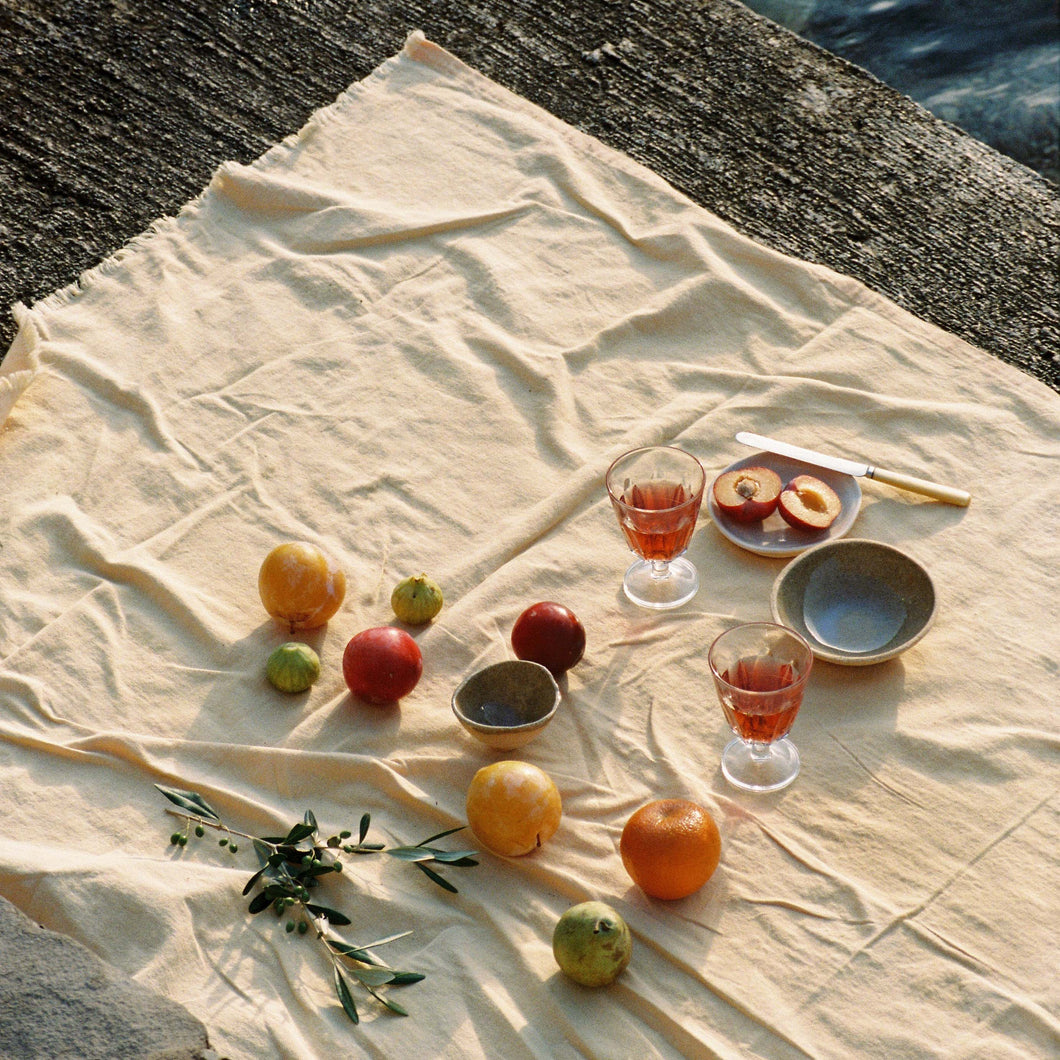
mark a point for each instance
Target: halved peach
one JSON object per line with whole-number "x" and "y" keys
{"x": 807, "y": 503}
{"x": 748, "y": 494}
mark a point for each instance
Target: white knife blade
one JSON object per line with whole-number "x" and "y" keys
{"x": 949, "y": 494}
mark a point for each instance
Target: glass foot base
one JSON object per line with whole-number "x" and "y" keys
{"x": 776, "y": 771}
{"x": 647, "y": 588}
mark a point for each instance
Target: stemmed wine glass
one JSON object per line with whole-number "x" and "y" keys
{"x": 760, "y": 670}
{"x": 656, "y": 493}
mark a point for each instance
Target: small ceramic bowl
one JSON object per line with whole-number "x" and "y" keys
{"x": 856, "y": 602}
{"x": 506, "y": 705}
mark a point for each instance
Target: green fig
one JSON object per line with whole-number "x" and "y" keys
{"x": 592, "y": 944}
{"x": 293, "y": 667}
{"x": 416, "y": 600}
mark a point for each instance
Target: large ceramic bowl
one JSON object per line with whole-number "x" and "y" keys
{"x": 856, "y": 602}
{"x": 506, "y": 705}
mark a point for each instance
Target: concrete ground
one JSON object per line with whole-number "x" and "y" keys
{"x": 114, "y": 112}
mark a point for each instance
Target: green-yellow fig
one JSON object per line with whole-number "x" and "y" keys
{"x": 592, "y": 944}
{"x": 416, "y": 599}
{"x": 293, "y": 667}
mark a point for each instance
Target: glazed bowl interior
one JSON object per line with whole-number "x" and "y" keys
{"x": 507, "y": 704}
{"x": 856, "y": 602}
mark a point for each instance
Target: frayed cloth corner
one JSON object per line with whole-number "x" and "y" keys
{"x": 21, "y": 364}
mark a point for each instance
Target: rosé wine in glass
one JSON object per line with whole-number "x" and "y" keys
{"x": 658, "y": 525}
{"x": 760, "y": 671}
{"x": 656, "y": 493}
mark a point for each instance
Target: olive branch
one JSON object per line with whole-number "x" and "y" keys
{"x": 295, "y": 864}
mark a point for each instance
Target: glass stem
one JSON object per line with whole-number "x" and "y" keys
{"x": 759, "y": 751}
{"x": 660, "y": 568}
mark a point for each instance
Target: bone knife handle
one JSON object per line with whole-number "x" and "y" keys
{"x": 949, "y": 494}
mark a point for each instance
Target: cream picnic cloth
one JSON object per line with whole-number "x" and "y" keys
{"x": 417, "y": 333}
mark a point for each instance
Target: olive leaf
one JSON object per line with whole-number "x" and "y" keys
{"x": 362, "y": 953}
{"x": 190, "y": 801}
{"x": 410, "y": 853}
{"x": 298, "y": 833}
{"x": 454, "y": 857}
{"x": 252, "y": 881}
{"x": 332, "y": 916}
{"x": 388, "y": 1002}
{"x": 372, "y": 976}
{"x": 405, "y": 978}
{"x": 436, "y": 877}
{"x": 260, "y": 902}
{"x": 441, "y": 835}
{"x": 345, "y": 997}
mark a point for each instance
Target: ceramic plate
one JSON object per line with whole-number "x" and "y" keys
{"x": 773, "y": 536}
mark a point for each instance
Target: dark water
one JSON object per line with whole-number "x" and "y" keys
{"x": 992, "y": 68}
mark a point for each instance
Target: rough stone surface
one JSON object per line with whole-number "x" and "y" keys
{"x": 58, "y": 1001}
{"x": 113, "y": 112}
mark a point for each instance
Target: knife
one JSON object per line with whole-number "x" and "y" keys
{"x": 949, "y": 494}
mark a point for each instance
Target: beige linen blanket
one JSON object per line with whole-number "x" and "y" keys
{"x": 416, "y": 333}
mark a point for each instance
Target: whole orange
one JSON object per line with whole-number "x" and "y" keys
{"x": 300, "y": 585}
{"x": 670, "y": 848}
{"x": 513, "y": 807}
